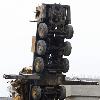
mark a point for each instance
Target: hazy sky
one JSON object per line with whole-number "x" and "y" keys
{"x": 16, "y": 32}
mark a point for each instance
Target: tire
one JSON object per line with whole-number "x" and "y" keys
{"x": 65, "y": 65}
{"x": 41, "y": 47}
{"x": 62, "y": 93}
{"x": 42, "y": 30}
{"x": 67, "y": 48}
{"x": 38, "y": 64}
{"x": 69, "y": 31}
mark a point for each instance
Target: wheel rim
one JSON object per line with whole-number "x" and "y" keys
{"x": 42, "y": 30}
{"x": 39, "y": 64}
{"x": 41, "y": 47}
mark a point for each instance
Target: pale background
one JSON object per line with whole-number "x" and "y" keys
{"x": 16, "y": 32}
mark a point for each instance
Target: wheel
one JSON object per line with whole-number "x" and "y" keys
{"x": 41, "y": 47}
{"x": 62, "y": 93}
{"x": 69, "y": 31}
{"x": 65, "y": 64}
{"x": 67, "y": 48}
{"x": 38, "y": 64}
{"x": 36, "y": 92}
{"x": 42, "y": 30}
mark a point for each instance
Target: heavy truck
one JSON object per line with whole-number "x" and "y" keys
{"x": 45, "y": 80}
